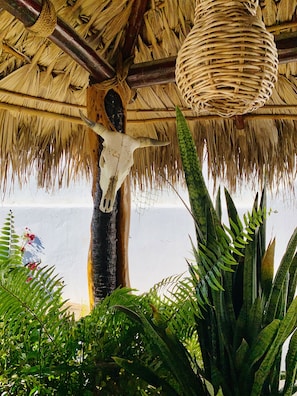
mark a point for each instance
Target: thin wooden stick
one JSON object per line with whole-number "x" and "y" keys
{"x": 40, "y": 113}
{"x": 185, "y": 109}
{"x": 39, "y": 99}
{"x": 77, "y": 120}
{"x": 281, "y": 26}
{"x": 215, "y": 117}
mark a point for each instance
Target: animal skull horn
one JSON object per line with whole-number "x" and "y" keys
{"x": 116, "y": 159}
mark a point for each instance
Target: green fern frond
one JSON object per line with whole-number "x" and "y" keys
{"x": 175, "y": 298}
{"x": 35, "y": 301}
{"x": 10, "y": 250}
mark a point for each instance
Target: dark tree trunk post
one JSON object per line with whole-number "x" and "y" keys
{"x": 108, "y": 252}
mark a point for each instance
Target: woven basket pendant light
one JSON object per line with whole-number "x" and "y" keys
{"x": 228, "y": 63}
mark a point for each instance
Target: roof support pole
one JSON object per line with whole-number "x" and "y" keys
{"x": 108, "y": 252}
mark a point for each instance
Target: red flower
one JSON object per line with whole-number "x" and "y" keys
{"x": 29, "y": 279}
{"x": 32, "y": 266}
{"x": 29, "y": 236}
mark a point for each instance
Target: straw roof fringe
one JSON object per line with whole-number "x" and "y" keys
{"x": 42, "y": 89}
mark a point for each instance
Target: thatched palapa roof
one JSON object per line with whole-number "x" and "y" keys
{"x": 42, "y": 89}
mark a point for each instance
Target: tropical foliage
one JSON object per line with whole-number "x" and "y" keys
{"x": 250, "y": 313}
{"x": 243, "y": 312}
{"x": 219, "y": 331}
{"x": 43, "y": 350}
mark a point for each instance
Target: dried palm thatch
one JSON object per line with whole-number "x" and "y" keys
{"x": 42, "y": 90}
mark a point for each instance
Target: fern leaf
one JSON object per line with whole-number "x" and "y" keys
{"x": 36, "y": 302}
{"x": 9, "y": 241}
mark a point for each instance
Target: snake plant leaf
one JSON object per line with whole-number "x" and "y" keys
{"x": 262, "y": 228}
{"x": 274, "y": 300}
{"x": 137, "y": 368}
{"x": 232, "y": 213}
{"x": 171, "y": 351}
{"x": 255, "y": 353}
{"x": 291, "y": 366}
{"x": 267, "y": 268}
{"x": 211, "y": 391}
{"x": 129, "y": 312}
{"x": 250, "y": 276}
{"x": 286, "y": 327}
{"x": 261, "y": 344}
{"x": 254, "y": 322}
{"x": 200, "y": 201}
{"x": 292, "y": 280}
{"x": 218, "y": 205}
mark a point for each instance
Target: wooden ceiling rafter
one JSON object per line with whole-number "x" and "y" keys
{"x": 66, "y": 38}
{"x": 135, "y": 24}
{"x": 140, "y": 75}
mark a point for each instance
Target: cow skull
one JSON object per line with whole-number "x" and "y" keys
{"x": 116, "y": 159}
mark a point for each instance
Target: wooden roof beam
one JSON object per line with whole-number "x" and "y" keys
{"x": 140, "y": 75}
{"x": 135, "y": 23}
{"x": 163, "y": 71}
{"x": 27, "y": 11}
{"x": 286, "y": 45}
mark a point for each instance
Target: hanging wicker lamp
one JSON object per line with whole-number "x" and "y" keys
{"x": 228, "y": 63}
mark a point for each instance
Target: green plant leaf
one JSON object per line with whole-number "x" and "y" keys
{"x": 136, "y": 367}
{"x": 292, "y": 280}
{"x": 279, "y": 283}
{"x": 291, "y": 366}
{"x": 218, "y": 206}
{"x": 286, "y": 327}
{"x": 267, "y": 268}
{"x": 172, "y": 353}
{"x": 200, "y": 201}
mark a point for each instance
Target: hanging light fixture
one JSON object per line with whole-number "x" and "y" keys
{"x": 228, "y": 63}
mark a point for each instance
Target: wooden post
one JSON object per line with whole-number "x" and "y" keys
{"x": 108, "y": 252}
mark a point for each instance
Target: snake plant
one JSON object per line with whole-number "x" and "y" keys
{"x": 244, "y": 313}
